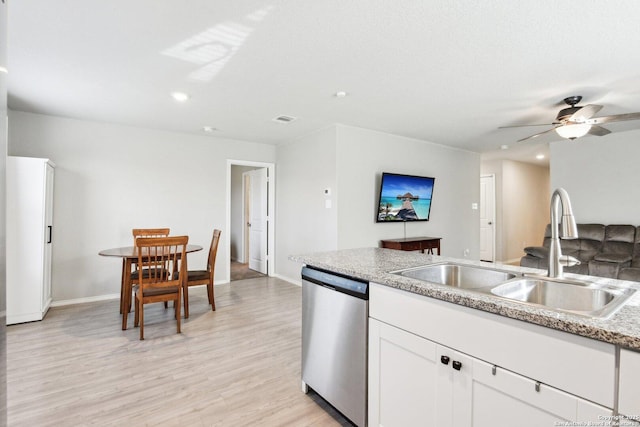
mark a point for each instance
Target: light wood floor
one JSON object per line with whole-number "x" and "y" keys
{"x": 242, "y": 271}
{"x": 237, "y": 366}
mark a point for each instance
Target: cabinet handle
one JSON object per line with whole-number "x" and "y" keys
{"x": 456, "y": 365}
{"x": 538, "y": 386}
{"x": 444, "y": 360}
{"x": 49, "y": 227}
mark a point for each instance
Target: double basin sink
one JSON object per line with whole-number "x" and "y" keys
{"x": 577, "y": 297}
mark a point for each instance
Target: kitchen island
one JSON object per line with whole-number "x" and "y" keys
{"x": 450, "y": 356}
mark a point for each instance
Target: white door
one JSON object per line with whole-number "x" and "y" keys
{"x": 258, "y": 211}
{"x": 487, "y": 217}
{"x": 48, "y": 223}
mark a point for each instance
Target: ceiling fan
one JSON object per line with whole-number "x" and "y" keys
{"x": 575, "y": 121}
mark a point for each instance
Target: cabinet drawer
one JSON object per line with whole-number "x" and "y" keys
{"x": 501, "y": 396}
{"x": 577, "y": 365}
{"x": 403, "y": 246}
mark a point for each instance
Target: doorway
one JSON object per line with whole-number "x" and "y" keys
{"x": 250, "y": 220}
{"x": 487, "y": 218}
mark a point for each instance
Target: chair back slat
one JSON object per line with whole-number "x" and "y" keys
{"x": 161, "y": 258}
{"x": 149, "y": 232}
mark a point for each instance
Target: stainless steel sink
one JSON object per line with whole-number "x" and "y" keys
{"x": 584, "y": 298}
{"x": 457, "y": 275}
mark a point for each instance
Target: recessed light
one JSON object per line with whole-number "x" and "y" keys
{"x": 209, "y": 129}
{"x": 504, "y": 147}
{"x": 180, "y": 96}
{"x": 340, "y": 94}
{"x": 540, "y": 156}
{"x": 4, "y": 70}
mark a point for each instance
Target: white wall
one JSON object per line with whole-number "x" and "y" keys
{"x": 363, "y": 155}
{"x": 350, "y": 161}
{"x": 303, "y": 224}
{"x": 601, "y": 176}
{"x": 111, "y": 178}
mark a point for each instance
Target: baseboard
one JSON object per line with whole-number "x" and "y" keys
{"x": 288, "y": 279}
{"x": 103, "y": 297}
{"x": 84, "y": 300}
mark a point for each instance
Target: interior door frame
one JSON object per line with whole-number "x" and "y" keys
{"x": 271, "y": 219}
{"x": 493, "y": 219}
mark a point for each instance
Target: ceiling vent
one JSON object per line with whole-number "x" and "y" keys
{"x": 284, "y": 119}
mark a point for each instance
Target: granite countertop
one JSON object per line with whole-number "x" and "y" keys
{"x": 375, "y": 264}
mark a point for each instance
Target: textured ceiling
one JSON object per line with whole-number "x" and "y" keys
{"x": 445, "y": 71}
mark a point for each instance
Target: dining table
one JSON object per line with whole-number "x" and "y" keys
{"x": 129, "y": 255}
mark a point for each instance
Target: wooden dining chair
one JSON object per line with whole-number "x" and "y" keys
{"x": 137, "y": 232}
{"x": 161, "y": 256}
{"x": 203, "y": 277}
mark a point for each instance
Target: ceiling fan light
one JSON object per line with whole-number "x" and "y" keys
{"x": 573, "y": 131}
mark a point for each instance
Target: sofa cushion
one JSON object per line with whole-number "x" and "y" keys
{"x": 619, "y": 239}
{"x": 629, "y": 273}
{"x": 609, "y": 257}
{"x": 585, "y": 247}
{"x": 590, "y": 237}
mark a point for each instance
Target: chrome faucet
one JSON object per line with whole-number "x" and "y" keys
{"x": 569, "y": 231}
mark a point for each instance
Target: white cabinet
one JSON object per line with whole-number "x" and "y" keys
{"x": 402, "y": 378}
{"x": 29, "y": 238}
{"x": 416, "y": 377}
{"x": 414, "y": 381}
{"x": 629, "y": 397}
{"x": 502, "y": 398}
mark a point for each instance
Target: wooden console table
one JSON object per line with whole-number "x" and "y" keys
{"x": 413, "y": 244}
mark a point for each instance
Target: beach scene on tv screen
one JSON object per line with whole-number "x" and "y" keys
{"x": 405, "y": 198}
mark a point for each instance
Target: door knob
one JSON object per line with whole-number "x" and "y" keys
{"x": 490, "y": 223}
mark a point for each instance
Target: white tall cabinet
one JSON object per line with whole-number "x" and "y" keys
{"x": 29, "y": 238}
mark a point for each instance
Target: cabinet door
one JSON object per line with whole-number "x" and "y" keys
{"x": 402, "y": 378}
{"x": 48, "y": 238}
{"x": 455, "y": 387}
{"x": 629, "y": 400}
{"x": 503, "y": 399}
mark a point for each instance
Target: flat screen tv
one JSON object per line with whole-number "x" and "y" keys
{"x": 404, "y": 198}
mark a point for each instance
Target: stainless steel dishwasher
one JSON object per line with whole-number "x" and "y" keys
{"x": 334, "y": 340}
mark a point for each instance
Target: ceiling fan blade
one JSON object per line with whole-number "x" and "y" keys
{"x": 538, "y": 134}
{"x": 521, "y": 126}
{"x": 598, "y": 131}
{"x": 585, "y": 113}
{"x": 614, "y": 118}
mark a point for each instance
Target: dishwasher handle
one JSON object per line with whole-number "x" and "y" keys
{"x": 344, "y": 284}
